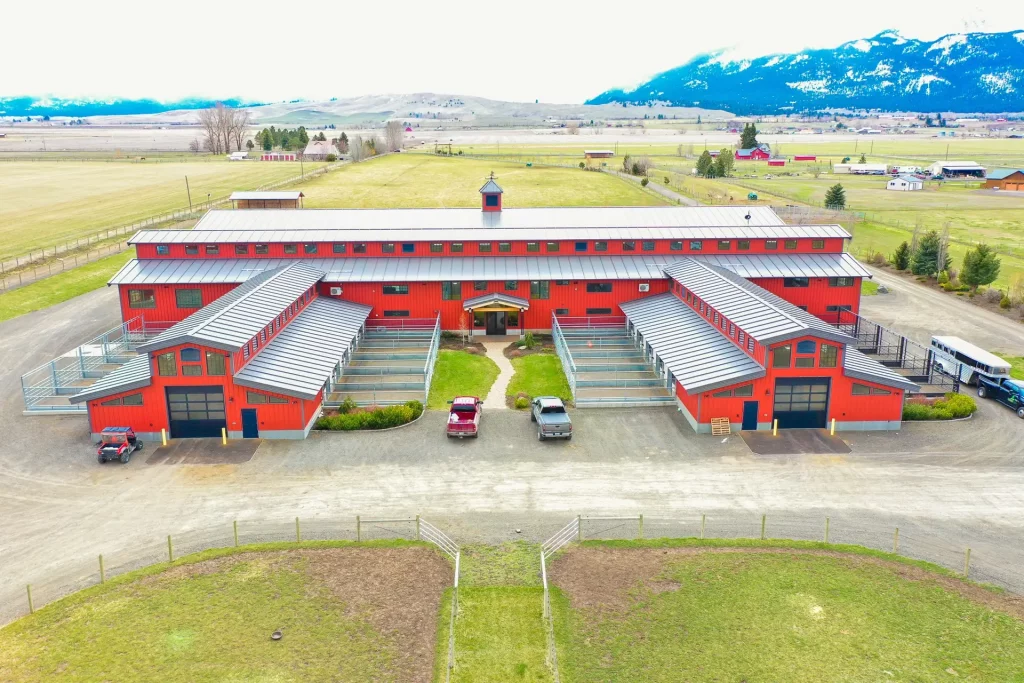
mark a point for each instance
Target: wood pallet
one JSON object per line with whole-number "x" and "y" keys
{"x": 720, "y": 426}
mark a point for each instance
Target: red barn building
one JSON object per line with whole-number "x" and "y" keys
{"x": 495, "y": 272}
{"x": 760, "y": 153}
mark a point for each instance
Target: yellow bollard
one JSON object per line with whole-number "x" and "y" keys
{"x": 775, "y": 427}
{"x": 224, "y": 436}
{"x": 833, "y": 430}
{"x": 163, "y": 436}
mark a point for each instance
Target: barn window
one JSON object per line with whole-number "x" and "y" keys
{"x": 795, "y": 282}
{"x": 456, "y": 247}
{"x": 504, "y": 246}
{"x": 245, "y": 352}
{"x": 141, "y": 298}
{"x": 580, "y": 246}
{"x": 191, "y": 249}
{"x": 484, "y": 247}
{"x": 676, "y": 245}
{"x": 188, "y": 298}
{"x": 817, "y": 244}
{"x": 491, "y": 200}
{"x": 742, "y": 338}
{"x": 829, "y": 356}
{"x": 262, "y": 248}
{"x": 724, "y": 245}
{"x": 338, "y": 248}
{"x": 251, "y": 397}
{"x": 387, "y": 248}
{"x": 647, "y": 245}
{"x": 561, "y": 282}
{"x": 696, "y": 245}
{"x": 875, "y": 391}
{"x": 743, "y": 245}
{"x": 861, "y": 389}
{"x": 805, "y": 361}
{"x": 480, "y": 286}
{"x": 533, "y": 246}
{"x": 599, "y": 311}
{"x": 599, "y": 287}
{"x": 600, "y": 246}
{"x": 726, "y": 393}
{"x": 166, "y": 365}
{"x": 241, "y": 249}
{"x": 789, "y": 244}
{"x": 359, "y": 248}
{"x": 451, "y": 291}
{"x": 511, "y": 285}
{"x": 276, "y": 399}
{"x": 782, "y": 356}
{"x": 750, "y": 344}
{"x": 263, "y": 336}
{"x": 291, "y": 249}
{"x": 191, "y": 370}
{"x": 212, "y": 249}
{"x": 396, "y": 314}
{"x": 540, "y": 289}
{"x": 132, "y": 400}
{"x": 436, "y": 247}
{"x": 561, "y": 311}
{"x": 215, "y": 364}
{"x": 190, "y": 355}
{"x": 309, "y": 248}
{"x": 163, "y": 249}
{"x": 551, "y": 246}
{"x": 806, "y": 346}
{"x": 840, "y": 282}
{"x": 479, "y": 318}
{"x": 408, "y": 248}
{"x": 629, "y": 245}
{"x": 396, "y": 289}
{"x": 771, "y": 245}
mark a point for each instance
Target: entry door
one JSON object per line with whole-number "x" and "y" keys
{"x": 749, "y": 415}
{"x": 801, "y": 403}
{"x": 496, "y": 322}
{"x": 196, "y": 411}
{"x": 250, "y": 424}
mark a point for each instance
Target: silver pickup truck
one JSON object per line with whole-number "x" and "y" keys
{"x": 552, "y": 420}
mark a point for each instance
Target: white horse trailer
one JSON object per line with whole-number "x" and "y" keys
{"x": 964, "y": 360}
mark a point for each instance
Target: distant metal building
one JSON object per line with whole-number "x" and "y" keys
{"x": 1007, "y": 179}
{"x": 905, "y": 183}
{"x": 288, "y": 199}
{"x": 957, "y": 169}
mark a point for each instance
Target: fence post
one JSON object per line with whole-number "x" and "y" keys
{"x": 640, "y": 531}
{"x": 896, "y": 541}
{"x": 298, "y": 533}
{"x": 170, "y": 549}
{"x": 579, "y": 528}
{"x": 703, "y": 519}
{"x": 359, "y": 529}
{"x": 103, "y": 575}
{"x": 418, "y": 528}
{"x": 764, "y": 519}
{"x": 967, "y": 562}
{"x": 31, "y": 607}
{"x": 826, "y": 529}
{"x": 234, "y": 526}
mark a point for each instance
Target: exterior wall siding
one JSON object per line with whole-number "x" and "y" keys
{"x": 166, "y": 308}
{"x": 817, "y": 296}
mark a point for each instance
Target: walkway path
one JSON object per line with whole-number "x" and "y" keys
{"x": 665, "y": 192}
{"x": 495, "y": 399}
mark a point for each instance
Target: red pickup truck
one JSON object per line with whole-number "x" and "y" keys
{"x": 464, "y": 417}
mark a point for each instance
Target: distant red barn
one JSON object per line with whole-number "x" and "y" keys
{"x": 804, "y": 157}
{"x": 759, "y": 153}
{"x": 776, "y": 162}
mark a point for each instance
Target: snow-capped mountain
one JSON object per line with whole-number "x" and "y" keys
{"x": 80, "y": 107}
{"x": 961, "y": 72}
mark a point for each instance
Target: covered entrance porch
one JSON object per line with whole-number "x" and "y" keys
{"x": 497, "y": 314}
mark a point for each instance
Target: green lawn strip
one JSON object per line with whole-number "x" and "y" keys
{"x": 460, "y": 373}
{"x": 539, "y": 374}
{"x": 795, "y": 617}
{"x": 513, "y": 563}
{"x": 868, "y": 288}
{"x": 1016, "y": 364}
{"x": 61, "y": 287}
{"x": 211, "y": 625}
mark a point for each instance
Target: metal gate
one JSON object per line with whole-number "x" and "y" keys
{"x": 196, "y": 411}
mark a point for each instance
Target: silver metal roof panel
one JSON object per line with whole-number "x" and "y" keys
{"x": 859, "y": 366}
{"x": 694, "y": 351}
{"x": 232, "y": 320}
{"x": 496, "y": 298}
{"x": 300, "y": 359}
{"x": 267, "y": 195}
{"x": 134, "y": 374}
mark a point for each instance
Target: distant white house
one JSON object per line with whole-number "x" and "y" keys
{"x": 317, "y": 150}
{"x": 905, "y": 183}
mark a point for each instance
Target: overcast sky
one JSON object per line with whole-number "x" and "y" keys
{"x": 514, "y": 50}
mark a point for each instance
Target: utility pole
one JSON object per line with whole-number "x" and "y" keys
{"x": 947, "y": 151}
{"x": 189, "y": 192}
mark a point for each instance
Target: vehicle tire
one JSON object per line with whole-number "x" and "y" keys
{"x": 540, "y": 435}
{"x": 448, "y": 435}
{"x": 126, "y": 457}
{"x": 101, "y": 459}
{"x": 1020, "y": 413}
{"x": 981, "y": 391}
{"x": 569, "y": 438}
{"x": 533, "y": 418}
{"x": 138, "y": 447}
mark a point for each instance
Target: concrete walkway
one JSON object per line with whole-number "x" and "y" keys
{"x": 495, "y": 399}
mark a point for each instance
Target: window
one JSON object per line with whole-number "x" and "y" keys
{"x": 561, "y": 311}
{"x": 338, "y": 248}
{"x": 291, "y": 249}
{"x": 162, "y": 250}
{"x": 599, "y": 311}
{"x": 743, "y": 245}
{"x": 745, "y": 390}
{"x": 479, "y": 318}
{"x": 840, "y": 282}
{"x": 396, "y": 289}
{"x": 190, "y": 355}
{"x": 861, "y": 389}
{"x": 252, "y": 398}
{"x": 562, "y": 282}
{"x": 539, "y": 289}
{"x": 837, "y": 309}
{"x": 724, "y": 245}
{"x": 436, "y": 247}
{"x": 215, "y": 364}
{"x": 581, "y": 246}
{"x": 129, "y": 400}
{"x": 805, "y": 361}
{"x": 600, "y": 246}
{"x": 188, "y": 298}
{"x": 551, "y": 246}
{"x": 533, "y": 246}
{"x": 191, "y": 249}
{"x": 387, "y": 248}
{"x": 456, "y": 247}
{"x": 511, "y": 285}
{"x": 245, "y": 352}
{"x": 696, "y": 245}
{"x": 262, "y": 248}
{"x": 789, "y": 244}
{"x": 782, "y": 356}
{"x": 309, "y": 248}
{"x": 771, "y": 245}
{"x": 490, "y": 200}
{"x": 802, "y": 308}
{"x": 806, "y": 346}
{"x": 599, "y": 287}
{"x": 629, "y": 245}
{"x": 166, "y": 365}
{"x": 732, "y": 330}
{"x": 676, "y": 245}
{"x": 359, "y": 248}
{"x": 141, "y": 298}
{"x": 212, "y": 249}
{"x": 750, "y": 344}
{"x": 716, "y": 317}
{"x": 722, "y": 394}
{"x": 408, "y": 248}
{"x": 396, "y": 314}
{"x": 484, "y": 247}
{"x": 451, "y": 291}
{"x": 647, "y": 245}
{"x": 191, "y": 370}
{"x": 276, "y": 399}
{"x": 829, "y": 356}
{"x": 512, "y": 318}
{"x": 875, "y": 391}
{"x": 263, "y": 336}
{"x": 480, "y": 286}
{"x": 796, "y": 282}
{"x": 742, "y": 338}
{"x": 241, "y": 249}
{"x": 817, "y": 244}
{"x": 504, "y": 247}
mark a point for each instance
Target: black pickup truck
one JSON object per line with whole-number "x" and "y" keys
{"x": 1009, "y": 392}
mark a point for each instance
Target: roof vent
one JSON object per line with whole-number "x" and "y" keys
{"x": 491, "y": 195}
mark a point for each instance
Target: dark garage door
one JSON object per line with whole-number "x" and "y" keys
{"x": 196, "y": 411}
{"x": 801, "y": 403}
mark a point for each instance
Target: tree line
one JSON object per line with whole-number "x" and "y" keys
{"x": 222, "y": 126}
{"x": 929, "y": 257}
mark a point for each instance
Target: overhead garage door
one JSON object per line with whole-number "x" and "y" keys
{"x": 196, "y": 411}
{"x": 801, "y": 403}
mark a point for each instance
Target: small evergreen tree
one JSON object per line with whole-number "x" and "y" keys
{"x": 925, "y": 260}
{"x": 249, "y": 145}
{"x": 863, "y": 159}
{"x": 704, "y": 164}
{"x": 267, "y": 140}
{"x": 748, "y": 138}
{"x": 303, "y": 136}
{"x": 981, "y": 267}
{"x": 900, "y": 258}
{"x": 725, "y": 162}
{"x": 835, "y": 198}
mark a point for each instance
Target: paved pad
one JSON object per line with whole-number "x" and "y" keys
{"x": 794, "y": 441}
{"x": 204, "y": 452}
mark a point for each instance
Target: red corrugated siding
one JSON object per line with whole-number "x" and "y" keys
{"x": 817, "y": 296}
{"x": 166, "y": 305}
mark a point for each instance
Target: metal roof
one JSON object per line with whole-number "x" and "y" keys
{"x": 271, "y": 195}
{"x": 495, "y": 298}
{"x": 299, "y": 360}
{"x": 976, "y": 352}
{"x": 761, "y": 314}
{"x": 859, "y": 366}
{"x": 1000, "y": 173}
{"x": 698, "y": 355}
{"x": 449, "y": 219}
{"x": 232, "y": 320}
{"x": 491, "y": 187}
{"x": 441, "y": 268}
{"x": 134, "y": 374}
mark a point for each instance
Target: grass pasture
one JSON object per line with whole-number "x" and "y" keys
{"x": 348, "y": 612}
{"x": 672, "y": 612}
{"x": 43, "y": 203}
{"x": 539, "y": 374}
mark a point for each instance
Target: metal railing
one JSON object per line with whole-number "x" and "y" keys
{"x": 564, "y": 355}
{"x": 46, "y": 388}
{"x": 428, "y": 369}
{"x": 594, "y": 322}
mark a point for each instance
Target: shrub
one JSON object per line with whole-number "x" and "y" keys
{"x": 878, "y": 259}
{"x": 582, "y": 165}
{"x": 960, "y": 405}
{"x": 347, "y": 406}
{"x": 1005, "y": 302}
{"x": 332, "y": 157}
{"x": 416, "y": 407}
{"x": 944, "y": 278}
{"x": 380, "y": 418}
{"x": 643, "y": 182}
{"x": 529, "y": 341}
{"x": 993, "y": 296}
{"x": 666, "y": 180}
{"x": 952, "y": 406}
{"x": 522, "y": 403}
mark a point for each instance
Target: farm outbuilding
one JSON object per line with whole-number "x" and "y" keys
{"x": 281, "y": 199}
{"x": 1007, "y": 179}
{"x": 905, "y": 183}
{"x": 598, "y": 154}
{"x": 760, "y": 153}
{"x": 957, "y": 169}
{"x": 319, "y": 150}
{"x": 804, "y": 157}
{"x": 776, "y": 162}
{"x": 279, "y": 156}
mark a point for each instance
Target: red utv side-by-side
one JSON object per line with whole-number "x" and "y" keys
{"x": 117, "y": 443}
